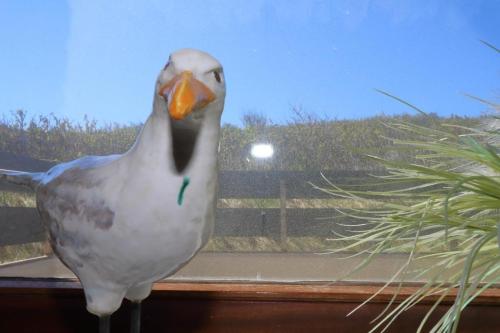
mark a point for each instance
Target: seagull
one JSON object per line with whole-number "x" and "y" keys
{"x": 122, "y": 222}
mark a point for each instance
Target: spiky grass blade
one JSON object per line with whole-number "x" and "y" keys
{"x": 447, "y": 206}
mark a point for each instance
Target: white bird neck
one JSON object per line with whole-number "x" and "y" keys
{"x": 207, "y": 145}
{"x": 154, "y": 143}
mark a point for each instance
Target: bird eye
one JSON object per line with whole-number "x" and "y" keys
{"x": 217, "y": 76}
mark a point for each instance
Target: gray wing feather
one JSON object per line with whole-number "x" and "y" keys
{"x": 29, "y": 179}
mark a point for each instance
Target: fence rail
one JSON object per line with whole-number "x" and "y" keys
{"x": 19, "y": 225}
{"x": 22, "y": 225}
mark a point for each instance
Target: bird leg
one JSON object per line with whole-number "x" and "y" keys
{"x": 135, "y": 317}
{"x": 104, "y": 323}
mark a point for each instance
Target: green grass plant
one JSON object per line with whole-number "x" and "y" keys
{"x": 445, "y": 206}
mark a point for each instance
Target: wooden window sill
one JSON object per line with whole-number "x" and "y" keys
{"x": 180, "y": 306}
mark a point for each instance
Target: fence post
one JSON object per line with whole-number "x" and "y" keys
{"x": 283, "y": 226}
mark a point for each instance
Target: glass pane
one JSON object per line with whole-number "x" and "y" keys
{"x": 301, "y": 111}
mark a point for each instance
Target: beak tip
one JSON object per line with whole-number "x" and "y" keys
{"x": 184, "y": 94}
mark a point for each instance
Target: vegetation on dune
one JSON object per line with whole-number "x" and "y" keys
{"x": 306, "y": 142}
{"x": 59, "y": 139}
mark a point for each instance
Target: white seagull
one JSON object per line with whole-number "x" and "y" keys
{"x": 122, "y": 222}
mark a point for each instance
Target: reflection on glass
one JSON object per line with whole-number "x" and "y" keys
{"x": 262, "y": 150}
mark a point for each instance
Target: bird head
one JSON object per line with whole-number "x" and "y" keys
{"x": 191, "y": 89}
{"x": 191, "y": 83}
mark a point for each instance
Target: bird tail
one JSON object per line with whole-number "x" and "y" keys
{"x": 29, "y": 179}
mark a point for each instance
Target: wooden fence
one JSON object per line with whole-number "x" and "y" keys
{"x": 22, "y": 225}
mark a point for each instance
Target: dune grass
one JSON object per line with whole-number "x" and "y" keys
{"x": 454, "y": 218}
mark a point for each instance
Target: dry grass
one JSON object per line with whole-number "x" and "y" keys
{"x": 17, "y": 199}
{"x": 13, "y": 253}
{"x": 25, "y": 199}
{"x": 298, "y": 203}
{"x": 265, "y": 244}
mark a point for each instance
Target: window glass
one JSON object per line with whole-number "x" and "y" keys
{"x": 302, "y": 109}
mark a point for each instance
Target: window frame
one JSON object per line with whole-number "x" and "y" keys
{"x": 251, "y": 306}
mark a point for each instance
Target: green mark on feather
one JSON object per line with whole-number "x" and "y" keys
{"x": 185, "y": 183}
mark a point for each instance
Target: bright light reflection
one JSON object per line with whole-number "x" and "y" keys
{"x": 262, "y": 150}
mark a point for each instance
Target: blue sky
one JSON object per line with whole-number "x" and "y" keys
{"x": 101, "y": 58}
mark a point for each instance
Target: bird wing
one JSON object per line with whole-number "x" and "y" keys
{"x": 29, "y": 179}
{"x": 77, "y": 188}
{"x": 71, "y": 201}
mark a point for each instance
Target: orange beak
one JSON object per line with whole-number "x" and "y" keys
{"x": 185, "y": 94}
